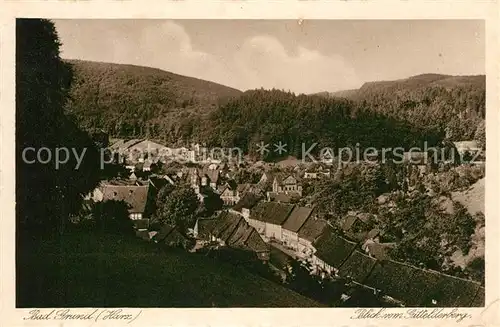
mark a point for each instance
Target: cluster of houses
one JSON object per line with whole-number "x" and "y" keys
{"x": 360, "y": 257}
{"x": 262, "y": 215}
{"x": 146, "y": 153}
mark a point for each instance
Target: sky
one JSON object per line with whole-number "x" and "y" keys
{"x": 301, "y": 56}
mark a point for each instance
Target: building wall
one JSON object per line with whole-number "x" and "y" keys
{"x": 97, "y": 195}
{"x": 273, "y": 231}
{"x": 246, "y": 213}
{"x": 290, "y": 238}
{"x": 258, "y": 225}
{"x": 305, "y": 246}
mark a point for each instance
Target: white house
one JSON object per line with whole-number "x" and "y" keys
{"x": 267, "y": 218}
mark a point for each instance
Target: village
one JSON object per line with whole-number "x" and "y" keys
{"x": 265, "y": 214}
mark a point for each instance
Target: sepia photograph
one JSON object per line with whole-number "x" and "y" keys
{"x": 244, "y": 163}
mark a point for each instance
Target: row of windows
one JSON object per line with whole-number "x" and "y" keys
{"x": 135, "y": 216}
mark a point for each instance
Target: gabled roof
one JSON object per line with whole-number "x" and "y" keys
{"x": 348, "y": 222}
{"x": 297, "y": 218}
{"x": 233, "y": 230}
{"x": 378, "y": 250}
{"x": 205, "y": 226}
{"x": 129, "y": 143}
{"x": 479, "y": 298}
{"x": 135, "y": 196}
{"x": 466, "y": 145}
{"x": 256, "y": 243}
{"x": 404, "y": 282}
{"x": 240, "y": 234}
{"x": 117, "y": 145}
{"x": 312, "y": 229}
{"x": 333, "y": 249}
{"x": 212, "y": 175}
{"x": 452, "y": 291}
{"x": 170, "y": 236}
{"x": 147, "y": 145}
{"x": 358, "y": 266}
{"x": 248, "y": 201}
{"x": 224, "y": 225}
{"x": 272, "y": 212}
{"x": 243, "y": 187}
{"x": 141, "y": 223}
{"x": 280, "y": 197}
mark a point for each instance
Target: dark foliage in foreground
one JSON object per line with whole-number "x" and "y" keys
{"x": 46, "y": 194}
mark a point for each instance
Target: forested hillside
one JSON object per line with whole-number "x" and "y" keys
{"x": 130, "y": 101}
{"x": 455, "y": 104}
{"x": 274, "y": 116}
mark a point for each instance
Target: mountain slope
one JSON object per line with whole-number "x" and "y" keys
{"x": 121, "y": 98}
{"x": 455, "y": 104}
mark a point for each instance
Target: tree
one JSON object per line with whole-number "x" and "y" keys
{"x": 179, "y": 209}
{"x": 46, "y": 196}
{"x": 211, "y": 203}
{"x": 480, "y": 135}
{"x": 112, "y": 217}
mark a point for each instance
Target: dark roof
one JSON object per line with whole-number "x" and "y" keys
{"x": 233, "y": 230}
{"x": 479, "y": 298}
{"x": 135, "y": 196}
{"x": 248, "y": 201}
{"x": 333, "y": 249}
{"x": 281, "y": 177}
{"x": 348, "y": 222}
{"x": 141, "y": 223}
{"x": 129, "y": 143}
{"x": 144, "y": 234}
{"x": 404, "y": 282}
{"x": 256, "y": 243}
{"x": 379, "y": 251}
{"x": 205, "y": 226}
{"x": 213, "y": 175}
{"x": 162, "y": 234}
{"x": 297, "y": 218}
{"x": 271, "y": 212}
{"x": 243, "y": 187}
{"x": 452, "y": 291}
{"x": 280, "y": 197}
{"x": 358, "y": 266}
{"x": 175, "y": 238}
{"x": 312, "y": 229}
{"x": 224, "y": 225}
{"x": 240, "y": 234}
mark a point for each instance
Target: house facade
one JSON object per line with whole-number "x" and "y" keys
{"x": 268, "y": 217}
{"x": 288, "y": 185}
{"x": 135, "y": 196}
{"x": 292, "y": 225}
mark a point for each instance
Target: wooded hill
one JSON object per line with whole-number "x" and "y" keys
{"x": 131, "y": 101}
{"x": 128, "y": 100}
{"x": 449, "y": 103}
